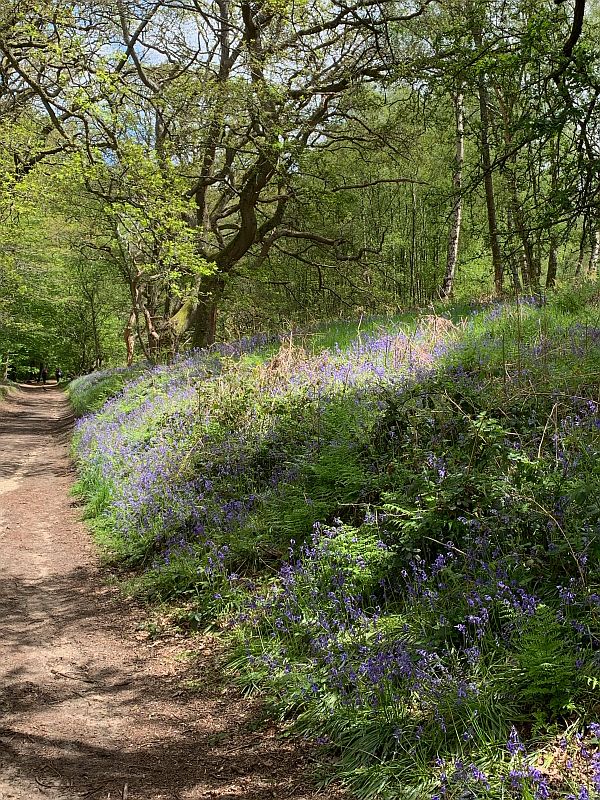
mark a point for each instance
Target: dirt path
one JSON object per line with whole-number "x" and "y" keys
{"x": 89, "y": 706}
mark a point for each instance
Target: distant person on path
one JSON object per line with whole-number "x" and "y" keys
{"x": 58, "y": 374}
{"x": 44, "y": 374}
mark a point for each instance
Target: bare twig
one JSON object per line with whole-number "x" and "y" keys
{"x": 550, "y": 415}
{"x": 73, "y": 677}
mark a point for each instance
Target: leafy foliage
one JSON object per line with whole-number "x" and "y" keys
{"x": 399, "y": 538}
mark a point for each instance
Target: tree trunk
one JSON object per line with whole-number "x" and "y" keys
{"x": 514, "y": 272}
{"x": 198, "y": 313}
{"x": 523, "y": 265}
{"x": 592, "y": 270}
{"x": 205, "y": 323}
{"x": 129, "y": 336}
{"x": 490, "y": 199}
{"x": 95, "y": 332}
{"x": 515, "y": 258}
{"x": 581, "y": 254}
{"x": 413, "y": 245}
{"x": 553, "y": 254}
{"x": 529, "y": 269}
{"x": 204, "y": 319}
{"x": 152, "y": 335}
{"x": 454, "y": 233}
{"x": 552, "y": 262}
{"x": 527, "y": 248}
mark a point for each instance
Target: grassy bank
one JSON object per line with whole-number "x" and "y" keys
{"x": 6, "y": 388}
{"x": 399, "y": 537}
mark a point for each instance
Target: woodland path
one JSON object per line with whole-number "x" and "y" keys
{"x": 90, "y": 705}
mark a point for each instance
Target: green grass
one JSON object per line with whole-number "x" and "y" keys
{"x": 89, "y": 393}
{"x": 407, "y": 566}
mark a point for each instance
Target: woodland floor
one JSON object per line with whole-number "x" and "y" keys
{"x": 91, "y": 705}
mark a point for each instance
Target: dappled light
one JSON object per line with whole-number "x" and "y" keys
{"x": 299, "y": 400}
{"x": 92, "y": 704}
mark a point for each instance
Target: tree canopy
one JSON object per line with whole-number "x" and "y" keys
{"x": 217, "y": 167}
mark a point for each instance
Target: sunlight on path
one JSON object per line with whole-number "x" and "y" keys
{"x": 88, "y": 706}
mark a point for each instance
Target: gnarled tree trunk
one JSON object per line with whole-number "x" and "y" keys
{"x": 198, "y": 313}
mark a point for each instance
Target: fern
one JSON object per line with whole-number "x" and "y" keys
{"x": 548, "y": 676}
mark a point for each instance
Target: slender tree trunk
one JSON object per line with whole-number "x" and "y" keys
{"x": 83, "y": 364}
{"x": 515, "y": 259}
{"x": 486, "y": 160}
{"x": 554, "y": 238}
{"x": 152, "y": 335}
{"x": 5, "y": 366}
{"x": 129, "y": 336}
{"x": 535, "y": 171}
{"x": 581, "y": 254}
{"x": 527, "y": 247}
{"x": 592, "y": 270}
{"x": 524, "y": 267}
{"x": 96, "y": 334}
{"x": 552, "y": 262}
{"x": 413, "y": 244}
{"x": 514, "y": 272}
{"x": 529, "y": 269}
{"x": 454, "y": 233}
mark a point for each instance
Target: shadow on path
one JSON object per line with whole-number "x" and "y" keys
{"x": 89, "y": 703}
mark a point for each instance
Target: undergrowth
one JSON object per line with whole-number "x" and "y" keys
{"x": 5, "y": 389}
{"x": 399, "y": 538}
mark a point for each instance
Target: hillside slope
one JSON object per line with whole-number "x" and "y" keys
{"x": 400, "y": 539}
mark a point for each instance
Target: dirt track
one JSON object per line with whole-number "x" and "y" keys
{"x": 89, "y": 705}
